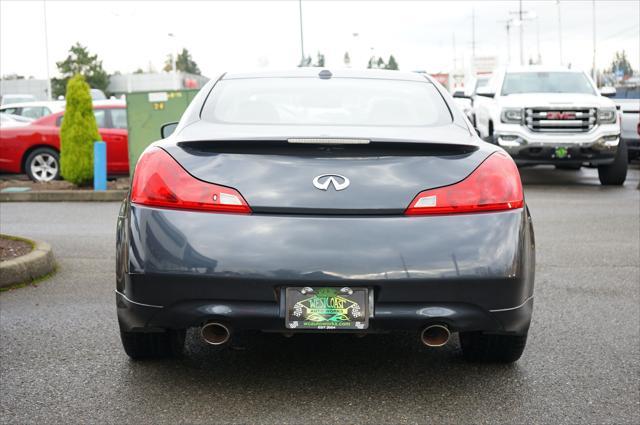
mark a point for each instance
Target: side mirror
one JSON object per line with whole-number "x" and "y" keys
{"x": 608, "y": 91}
{"x": 485, "y": 92}
{"x": 167, "y": 129}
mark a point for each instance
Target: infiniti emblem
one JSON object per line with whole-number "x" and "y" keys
{"x": 323, "y": 181}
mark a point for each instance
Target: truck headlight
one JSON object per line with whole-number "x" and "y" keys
{"x": 607, "y": 116}
{"x": 511, "y": 116}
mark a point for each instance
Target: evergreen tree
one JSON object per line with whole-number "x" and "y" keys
{"x": 346, "y": 59}
{"x": 392, "y": 64}
{"x": 80, "y": 61}
{"x": 305, "y": 62}
{"x": 78, "y": 132}
{"x": 184, "y": 63}
{"x": 620, "y": 62}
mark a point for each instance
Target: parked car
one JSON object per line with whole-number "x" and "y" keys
{"x": 8, "y": 120}
{"x": 34, "y": 149}
{"x": 306, "y": 201}
{"x": 628, "y": 101}
{"x": 33, "y": 110}
{"x": 463, "y": 101}
{"x": 543, "y": 115}
{"x": 8, "y": 99}
{"x": 475, "y": 84}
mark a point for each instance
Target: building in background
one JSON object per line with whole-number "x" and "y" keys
{"x": 130, "y": 83}
{"x": 36, "y": 88}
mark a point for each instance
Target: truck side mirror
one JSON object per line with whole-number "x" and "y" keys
{"x": 485, "y": 92}
{"x": 608, "y": 91}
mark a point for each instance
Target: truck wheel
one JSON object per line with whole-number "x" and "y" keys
{"x": 479, "y": 347}
{"x": 615, "y": 174}
{"x": 141, "y": 345}
{"x": 42, "y": 165}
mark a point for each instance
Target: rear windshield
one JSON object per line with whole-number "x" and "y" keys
{"x": 335, "y": 102}
{"x": 546, "y": 82}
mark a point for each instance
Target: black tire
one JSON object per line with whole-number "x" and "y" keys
{"x": 144, "y": 345}
{"x": 615, "y": 174}
{"x": 479, "y": 347}
{"x": 42, "y": 165}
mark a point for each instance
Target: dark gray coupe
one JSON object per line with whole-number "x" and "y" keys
{"x": 325, "y": 201}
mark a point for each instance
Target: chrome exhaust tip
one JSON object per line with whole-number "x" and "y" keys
{"x": 215, "y": 333}
{"x": 435, "y": 335}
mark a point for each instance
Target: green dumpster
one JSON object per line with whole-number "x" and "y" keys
{"x": 147, "y": 111}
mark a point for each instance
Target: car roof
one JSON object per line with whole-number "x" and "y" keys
{"x": 115, "y": 103}
{"x": 59, "y": 105}
{"x": 310, "y": 72}
{"x": 53, "y": 104}
{"x": 541, "y": 68}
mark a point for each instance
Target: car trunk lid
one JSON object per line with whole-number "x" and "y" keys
{"x": 383, "y": 169}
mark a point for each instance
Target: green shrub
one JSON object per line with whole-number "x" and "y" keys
{"x": 77, "y": 133}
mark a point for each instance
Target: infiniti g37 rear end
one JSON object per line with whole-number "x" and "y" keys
{"x": 348, "y": 202}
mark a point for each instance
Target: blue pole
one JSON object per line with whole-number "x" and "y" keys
{"x": 99, "y": 166}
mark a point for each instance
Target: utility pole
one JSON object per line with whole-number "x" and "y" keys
{"x": 301, "y": 36}
{"x": 521, "y": 31}
{"x": 473, "y": 35}
{"x": 538, "y": 39}
{"x": 508, "y": 26}
{"x": 521, "y": 18}
{"x": 455, "y": 59}
{"x": 559, "y": 30}
{"x": 174, "y": 57}
{"x": 593, "y": 64}
{"x": 46, "y": 49}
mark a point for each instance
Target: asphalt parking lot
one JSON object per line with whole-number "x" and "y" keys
{"x": 61, "y": 359}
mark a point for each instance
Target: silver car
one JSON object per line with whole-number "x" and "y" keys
{"x": 628, "y": 100}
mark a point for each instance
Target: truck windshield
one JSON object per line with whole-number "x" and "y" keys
{"x": 546, "y": 82}
{"x": 333, "y": 102}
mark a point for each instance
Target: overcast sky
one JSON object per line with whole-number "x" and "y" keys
{"x": 266, "y": 34}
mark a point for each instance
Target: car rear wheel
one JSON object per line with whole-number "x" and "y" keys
{"x": 615, "y": 174}
{"x": 479, "y": 347}
{"x": 142, "y": 345}
{"x": 43, "y": 165}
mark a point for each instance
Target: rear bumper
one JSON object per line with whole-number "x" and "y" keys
{"x": 269, "y": 316}
{"x": 180, "y": 269}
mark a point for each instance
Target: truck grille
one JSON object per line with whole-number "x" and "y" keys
{"x": 553, "y": 120}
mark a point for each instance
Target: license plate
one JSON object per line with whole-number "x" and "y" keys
{"x": 327, "y": 308}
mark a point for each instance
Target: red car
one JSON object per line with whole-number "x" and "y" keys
{"x": 35, "y": 148}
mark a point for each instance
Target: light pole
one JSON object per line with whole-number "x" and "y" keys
{"x": 46, "y": 49}
{"x": 302, "y": 58}
{"x": 593, "y": 64}
{"x": 174, "y": 60}
{"x": 521, "y": 31}
{"x": 508, "y": 23}
{"x": 559, "y": 30}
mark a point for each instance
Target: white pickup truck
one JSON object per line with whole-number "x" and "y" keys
{"x": 543, "y": 115}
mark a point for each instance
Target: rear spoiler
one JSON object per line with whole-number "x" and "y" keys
{"x": 327, "y": 146}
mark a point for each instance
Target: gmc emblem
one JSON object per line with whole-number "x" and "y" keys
{"x": 561, "y": 115}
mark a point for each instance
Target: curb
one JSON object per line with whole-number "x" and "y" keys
{"x": 29, "y": 267}
{"x": 64, "y": 195}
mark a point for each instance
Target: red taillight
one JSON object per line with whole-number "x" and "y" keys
{"x": 493, "y": 186}
{"x": 160, "y": 181}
